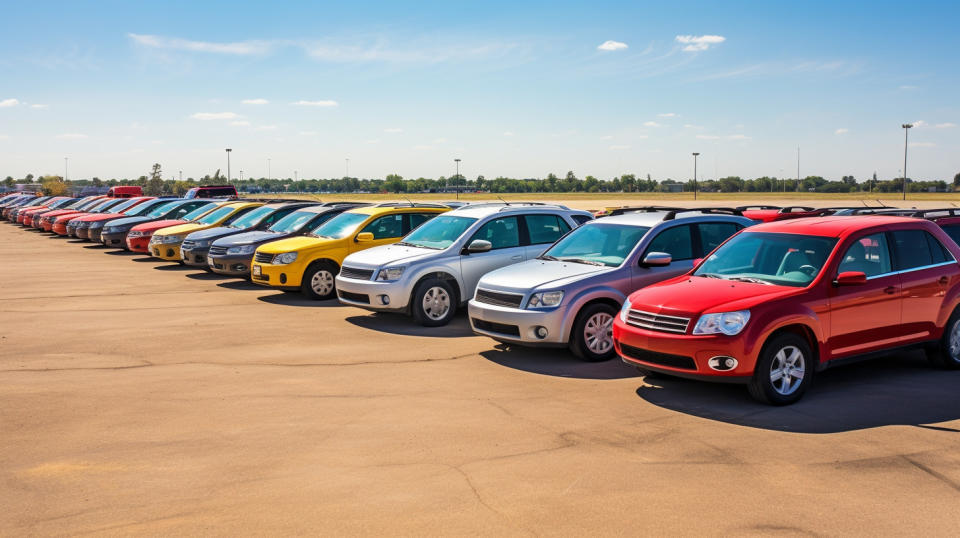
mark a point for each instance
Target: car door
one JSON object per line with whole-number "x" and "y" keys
{"x": 385, "y": 229}
{"x": 678, "y": 242}
{"x": 865, "y": 317}
{"x": 711, "y": 234}
{"x": 927, "y": 270}
{"x": 503, "y": 233}
{"x": 542, "y": 230}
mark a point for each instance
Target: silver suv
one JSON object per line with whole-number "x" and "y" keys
{"x": 570, "y": 294}
{"x": 436, "y": 267}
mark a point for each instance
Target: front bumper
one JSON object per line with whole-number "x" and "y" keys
{"x": 194, "y": 256}
{"x": 683, "y": 355}
{"x": 116, "y": 240}
{"x": 82, "y": 232}
{"x": 518, "y": 325}
{"x": 276, "y": 276}
{"x": 166, "y": 251}
{"x": 140, "y": 243}
{"x": 59, "y": 228}
{"x": 233, "y": 265}
{"x": 373, "y": 295}
{"x": 93, "y": 234}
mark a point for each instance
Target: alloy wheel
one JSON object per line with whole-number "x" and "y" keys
{"x": 436, "y": 303}
{"x": 787, "y": 370}
{"x": 322, "y": 282}
{"x": 598, "y": 333}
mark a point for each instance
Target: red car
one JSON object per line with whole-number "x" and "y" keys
{"x": 21, "y": 212}
{"x": 779, "y": 301}
{"x": 59, "y": 223}
{"x": 138, "y": 238}
{"x": 26, "y": 216}
{"x": 45, "y": 220}
{"x": 81, "y": 224}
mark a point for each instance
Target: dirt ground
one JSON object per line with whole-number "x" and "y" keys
{"x": 139, "y": 397}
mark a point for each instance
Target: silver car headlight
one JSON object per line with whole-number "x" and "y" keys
{"x": 245, "y": 249}
{"x": 625, "y": 309}
{"x": 285, "y": 258}
{"x": 728, "y": 323}
{"x": 201, "y": 244}
{"x": 545, "y": 299}
{"x": 390, "y": 273}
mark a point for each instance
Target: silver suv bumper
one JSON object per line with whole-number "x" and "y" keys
{"x": 516, "y": 324}
{"x": 372, "y": 295}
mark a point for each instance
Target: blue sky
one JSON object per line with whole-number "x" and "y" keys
{"x": 514, "y": 89}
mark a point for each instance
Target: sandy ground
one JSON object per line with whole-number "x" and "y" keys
{"x": 139, "y": 397}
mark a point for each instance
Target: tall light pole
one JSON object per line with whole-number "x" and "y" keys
{"x": 457, "y": 180}
{"x": 228, "y": 164}
{"x": 66, "y": 173}
{"x": 295, "y": 176}
{"x": 906, "y": 131}
{"x": 798, "y": 169}
{"x": 347, "y": 167}
{"x": 181, "y": 175}
{"x": 695, "y": 155}
{"x": 268, "y": 169}
{"x": 241, "y": 176}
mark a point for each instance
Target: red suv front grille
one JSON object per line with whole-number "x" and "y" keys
{"x": 657, "y": 322}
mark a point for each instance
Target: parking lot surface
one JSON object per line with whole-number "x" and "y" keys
{"x": 139, "y": 396}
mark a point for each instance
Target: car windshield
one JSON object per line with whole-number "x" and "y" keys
{"x": 597, "y": 243}
{"x": 340, "y": 226}
{"x": 61, "y": 203}
{"x": 439, "y": 232}
{"x": 141, "y": 209}
{"x": 120, "y": 207}
{"x": 769, "y": 258}
{"x": 252, "y": 218}
{"x": 162, "y": 208}
{"x": 216, "y": 215}
{"x": 292, "y": 222}
{"x": 198, "y": 212}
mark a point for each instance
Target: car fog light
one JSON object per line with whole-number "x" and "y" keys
{"x": 283, "y": 278}
{"x": 240, "y": 267}
{"x": 170, "y": 252}
{"x": 384, "y": 300}
{"x": 541, "y": 332}
{"x": 722, "y": 364}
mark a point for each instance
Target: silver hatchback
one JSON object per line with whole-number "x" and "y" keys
{"x": 570, "y": 294}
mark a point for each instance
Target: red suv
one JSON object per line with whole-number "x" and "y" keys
{"x": 781, "y": 300}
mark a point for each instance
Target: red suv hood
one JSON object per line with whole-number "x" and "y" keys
{"x": 156, "y": 225}
{"x": 93, "y": 217}
{"x": 686, "y": 295}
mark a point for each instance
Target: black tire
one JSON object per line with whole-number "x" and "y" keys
{"x": 328, "y": 272}
{"x": 764, "y": 389}
{"x": 584, "y": 340}
{"x": 441, "y": 294}
{"x": 940, "y": 355}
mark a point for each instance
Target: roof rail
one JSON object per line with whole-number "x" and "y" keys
{"x": 757, "y": 207}
{"x": 344, "y": 203}
{"x": 706, "y": 211}
{"x": 408, "y": 204}
{"x": 642, "y": 209}
{"x": 534, "y": 204}
{"x": 795, "y": 209}
{"x": 923, "y": 213}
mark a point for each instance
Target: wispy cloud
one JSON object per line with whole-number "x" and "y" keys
{"x": 422, "y": 147}
{"x": 215, "y": 116}
{"x": 393, "y": 130}
{"x": 908, "y": 87}
{"x": 947, "y": 125}
{"x": 38, "y": 106}
{"x": 696, "y": 43}
{"x": 606, "y": 137}
{"x": 841, "y": 131}
{"x": 71, "y": 136}
{"x": 240, "y": 123}
{"x": 255, "y": 101}
{"x": 651, "y": 124}
{"x": 692, "y": 126}
{"x": 307, "y": 133}
{"x": 325, "y": 103}
{"x": 9, "y": 102}
{"x": 612, "y": 45}
{"x": 175, "y": 43}
{"x": 738, "y": 137}
{"x": 266, "y": 127}
{"x": 440, "y": 141}
{"x": 708, "y": 137}
{"x": 372, "y": 141}
{"x": 508, "y": 133}
{"x": 831, "y": 67}
{"x": 438, "y": 49}
{"x": 667, "y": 115}
{"x": 920, "y": 124}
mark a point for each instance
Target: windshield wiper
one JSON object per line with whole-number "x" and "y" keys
{"x": 711, "y": 275}
{"x": 583, "y": 261}
{"x": 751, "y": 279}
{"x": 547, "y": 257}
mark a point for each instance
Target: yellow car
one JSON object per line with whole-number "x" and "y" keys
{"x": 165, "y": 243}
{"x": 310, "y": 262}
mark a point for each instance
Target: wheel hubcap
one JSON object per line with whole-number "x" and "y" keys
{"x": 954, "y": 347}
{"x": 787, "y": 370}
{"x": 322, "y": 282}
{"x": 598, "y": 333}
{"x": 436, "y": 303}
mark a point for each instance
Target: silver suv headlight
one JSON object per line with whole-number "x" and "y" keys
{"x": 245, "y": 249}
{"x": 728, "y": 323}
{"x": 388, "y": 274}
{"x": 545, "y": 299}
{"x": 285, "y": 258}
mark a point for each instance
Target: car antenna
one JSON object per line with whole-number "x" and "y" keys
{"x": 502, "y": 200}
{"x": 408, "y": 201}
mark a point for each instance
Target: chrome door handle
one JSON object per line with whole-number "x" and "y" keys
{"x": 516, "y": 257}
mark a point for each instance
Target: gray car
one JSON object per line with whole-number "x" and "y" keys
{"x": 570, "y": 294}
{"x": 436, "y": 267}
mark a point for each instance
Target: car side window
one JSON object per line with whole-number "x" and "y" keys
{"x": 545, "y": 229}
{"x": 275, "y": 216}
{"x": 714, "y": 233}
{"x": 912, "y": 249}
{"x": 581, "y": 219}
{"x": 953, "y": 232}
{"x": 385, "y": 227}
{"x": 869, "y": 255}
{"x": 675, "y": 241}
{"x": 237, "y": 215}
{"x": 416, "y": 219}
{"x": 502, "y": 232}
{"x": 938, "y": 252}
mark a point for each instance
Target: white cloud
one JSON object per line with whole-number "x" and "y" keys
{"x": 696, "y": 43}
{"x": 947, "y": 125}
{"x": 707, "y": 137}
{"x": 841, "y": 131}
{"x": 507, "y": 133}
{"x": 266, "y": 127}
{"x": 612, "y": 45}
{"x": 922, "y": 144}
{"x": 173, "y": 43}
{"x": 908, "y": 87}
{"x": 215, "y": 116}
{"x": 651, "y": 124}
{"x": 255, "y": 101}
{"x": 71, "y": 136}
{"x": 325, "y": 103}
{"x": 667, "y": 115}
{"x": 393, "y": 130}
{"x": 738, "y": 137}
{"x": 240, "y": 123}
{"x": 37, "y": 105}
{"x": 9, "y": 103}
{"x": 692, "y": 126}
{"x": 619, "y": 147}
{"x": 920, "y": 123}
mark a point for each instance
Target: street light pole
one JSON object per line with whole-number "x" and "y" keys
{"x": 181, "y": 175}
{"x": 241, "y": 176}
{"x": 457, "y": 180}
{"x": 228, "y": 164}
{"x": 66, "y": 173}
{"x": 268, "y": 169}
{"x": 906, "y": 131}
{"x": 695, "y": 155}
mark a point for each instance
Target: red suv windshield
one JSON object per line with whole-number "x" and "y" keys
{"x": 769, "y": 258}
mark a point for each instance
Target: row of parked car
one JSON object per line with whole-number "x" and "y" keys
{"x": 759, "y": 295}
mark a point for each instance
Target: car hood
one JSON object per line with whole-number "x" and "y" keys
{"x": 98, "y": 216}
{"x": 298, "y": 243}
{"x": 157, "y": 224}
{"x": 389, "y": 255}
{"x": 183, "y": 229}
{"x": 130, "y": 221}
{"x": 694, "y": 295}
{"x": 250, "y": 238}
{"x": 58, "y": 212}
{"x": 211, "y": 234}
{"x": 539, "y": 273}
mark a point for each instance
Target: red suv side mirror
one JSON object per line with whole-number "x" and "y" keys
{"x": 850, "y": 278}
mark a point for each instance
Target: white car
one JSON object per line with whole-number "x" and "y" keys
{"x": 435, "y": 269}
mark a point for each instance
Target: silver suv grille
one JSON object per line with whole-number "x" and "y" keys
{"x": 187, "y": 245}
{"x": 355, "y": 273}
{"x": 499, "y": 298}
{"x": 218, "y": 251}
{"x": 657, "y": 322}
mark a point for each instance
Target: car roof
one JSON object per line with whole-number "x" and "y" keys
{"x": 397, "y": 208}
{"x": 485, "y": 209}
{"x": 831, "y": 226}
{"x": 652, "y": 218}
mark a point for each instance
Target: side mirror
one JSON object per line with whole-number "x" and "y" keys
{"x": 697, "y": 261}
{"x": 364, "y": 237}
{"x": 657, "y": 259}
{"x": 479, "y": 245}
{"x": 850, "y": 278}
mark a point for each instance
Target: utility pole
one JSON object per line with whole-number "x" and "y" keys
{"x": 348, "y": 167}
{"x": 906, "y": 131}
{"x": 181, "y": 175}
{"x": 798, "y": 169}
{"x": 268, "y": 169}
{"x": 457, "y": 180}
{"x": 695, "y": 155}
{"x": 66, "y": 173}
{"x": 228, "y": 164}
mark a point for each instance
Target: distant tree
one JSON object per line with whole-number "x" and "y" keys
{"x": 956, "y": 181}
{"x": 154, "y": 186}
{"x": 96, "y": 182}
{"x": 28, "y": 178}
{"x": 54, "y": 186}
{"x": 850, "y": 180}
{"x": 9, "y": 181}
